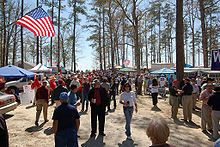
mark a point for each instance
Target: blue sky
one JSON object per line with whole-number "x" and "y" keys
{"x": 85, "y": 57}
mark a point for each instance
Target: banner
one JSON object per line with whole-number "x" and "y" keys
{"x": 215, "y": 60}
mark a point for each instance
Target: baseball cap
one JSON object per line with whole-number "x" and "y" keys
{"x": 64, "y": 96}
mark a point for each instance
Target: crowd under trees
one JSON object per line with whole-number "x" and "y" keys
{"x": 143, "y": 31}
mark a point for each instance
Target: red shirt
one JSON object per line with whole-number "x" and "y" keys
{"x": 42, "y": 93}
{"x": 80, "y": 87}
{"x": 53, "y": 84}
{"x": 35, "y": 84}
{"x": 97, "y": 96}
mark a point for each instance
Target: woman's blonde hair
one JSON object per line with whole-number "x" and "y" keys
{"x": 158, "y": 131}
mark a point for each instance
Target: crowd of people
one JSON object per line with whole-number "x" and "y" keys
{"x": 76, "y": 91}
{"x": 99, "y": 89}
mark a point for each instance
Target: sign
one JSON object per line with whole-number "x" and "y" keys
{"x": 126, "y": 62}
{"x": 215, "y": 60}
{"x": 27, "y": 97}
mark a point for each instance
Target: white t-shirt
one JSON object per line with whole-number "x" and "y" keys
{"x": 198, "y": 82}
{"x": 162, "y": 81}
{"x": 154, "y": 89}
{"x": 128, "y": 96}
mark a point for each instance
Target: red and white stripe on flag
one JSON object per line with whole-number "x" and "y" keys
{"x": 40, "y": 27}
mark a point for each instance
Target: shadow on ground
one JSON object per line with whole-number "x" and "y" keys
{"x": 127, "y": 143}
{"x": 31, "y": 106}
{"x": 94, "y": 142}
{"x": 155, "y": 108}
{"x": 7, "y": 116}
{"x": 48, "y": 131}
{"x": 33, "y": 129}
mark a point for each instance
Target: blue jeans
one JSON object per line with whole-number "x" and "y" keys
{"x": 85, "y": 100}
{"x": 128, "y": 112}
{"x": 66, "y": 138}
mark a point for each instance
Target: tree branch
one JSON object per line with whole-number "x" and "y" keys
{"x": 126, "y": 15}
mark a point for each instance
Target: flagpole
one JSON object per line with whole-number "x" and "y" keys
{"x": 22, "y": 49}
{"x": 37, "y": 39}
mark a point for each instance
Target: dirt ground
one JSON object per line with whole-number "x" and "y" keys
{"x": 23, "y": 132}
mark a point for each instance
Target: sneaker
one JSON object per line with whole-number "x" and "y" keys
{"x": 36, "y": 123}
{"x": 129, "y": 138}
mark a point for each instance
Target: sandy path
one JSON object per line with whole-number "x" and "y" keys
{"x": 23, "y": 133}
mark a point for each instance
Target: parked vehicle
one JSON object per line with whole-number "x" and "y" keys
{"x": 16, "y": 86}
{"x": 7, "y": 103}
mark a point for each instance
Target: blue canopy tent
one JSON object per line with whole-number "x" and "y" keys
{"x": 188, "y": 66}
{"x": 12, "y": 71}
{"x": 163, "y": 71}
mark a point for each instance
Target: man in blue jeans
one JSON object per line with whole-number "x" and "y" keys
{"x": 65, "y": 123}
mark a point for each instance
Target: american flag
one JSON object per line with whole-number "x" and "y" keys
{"x": 38, "y": 22}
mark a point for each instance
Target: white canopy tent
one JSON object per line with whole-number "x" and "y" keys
{"x": 40, "y": 68}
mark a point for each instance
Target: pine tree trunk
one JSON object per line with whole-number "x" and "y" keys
{"x": 204, "y": 33}
{"x": 123, "y": 41}
{"x": 179, "y": 41}
{"x": 103, "y": 37}
{"x": 136, "y": 36}
{"x": 111, "y": 37}
{"x": 100, "y": 42}
{"x": 41, "y": 50}
{"x": 14, "y": 46}
{"x": 63, "y": 52}
{"x": 159, "y": 39}
{"x": 146, "y": 42}
{"x": 58, "y": 40}
{"x": 4, "y": 32}
{"x": 186, "y": 45}
{"x": 73, "y": 63}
